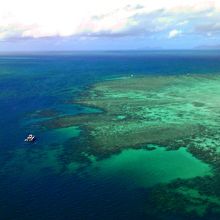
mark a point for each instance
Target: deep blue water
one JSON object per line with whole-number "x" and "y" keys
{"x": 36, "y": 81}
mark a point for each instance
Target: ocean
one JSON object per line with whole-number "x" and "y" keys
{"x": 41, "y": 180}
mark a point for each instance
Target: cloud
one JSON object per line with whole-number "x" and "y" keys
{"x": 174, "y": 33}
{"x": 183, "y": 23}
{"x": 209, "y": 29}
{"x": 102, "y": 18}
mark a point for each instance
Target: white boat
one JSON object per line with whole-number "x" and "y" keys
{"x": 30, "y": 138}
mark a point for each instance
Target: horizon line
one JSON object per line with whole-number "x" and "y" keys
{"x": 121, "y": 50}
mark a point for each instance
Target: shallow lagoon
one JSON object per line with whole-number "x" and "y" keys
{"x": 143, "y": 168}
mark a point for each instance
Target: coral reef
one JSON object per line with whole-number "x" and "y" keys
{"x": 168, "y": 111}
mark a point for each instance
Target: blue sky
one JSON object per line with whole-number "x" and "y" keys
{"x": 36, "y": 25}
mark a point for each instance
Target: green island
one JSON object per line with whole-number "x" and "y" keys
{"x": 150, "y": 113}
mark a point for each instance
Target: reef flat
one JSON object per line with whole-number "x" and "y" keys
{"x": 172, "y": 111}
{"x": 143, "y": 112}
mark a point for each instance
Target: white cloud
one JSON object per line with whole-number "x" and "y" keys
{"x": 46, "y": 18}
{"x": 183, "y": 23}
{"x": 174, "y": 33}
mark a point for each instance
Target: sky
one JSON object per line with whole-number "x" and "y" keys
{"x": 53, "y": 25}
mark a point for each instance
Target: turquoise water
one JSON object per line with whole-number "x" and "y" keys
{"x": 142, "y": 168}
{"x": 35, "y": 182}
